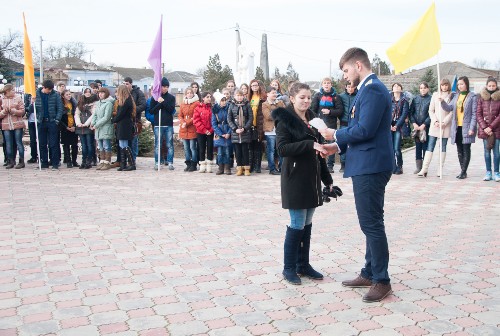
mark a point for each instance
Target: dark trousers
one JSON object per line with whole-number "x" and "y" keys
{"x": 48, "y": 135}
{"x": 241, "y": 153}
{"x": 32, "y": 132}
{"x": 205, "y": 144}
{"x": 463, "y": 150}
{"x": 369, "y": 192}
{"x": 70, "y": 152}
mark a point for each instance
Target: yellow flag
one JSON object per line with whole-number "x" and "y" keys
{"x": 419, "y": 43}
{"x": 29, "y": 71}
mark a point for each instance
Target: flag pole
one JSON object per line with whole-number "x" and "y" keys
{"x": 159, "y": 139}
{"x": 37, "y": 141}
{"x": 440, "y": 169}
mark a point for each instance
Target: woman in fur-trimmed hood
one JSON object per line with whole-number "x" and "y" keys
{"x": 488, "y": 118}
{"x": 303, "y": 170}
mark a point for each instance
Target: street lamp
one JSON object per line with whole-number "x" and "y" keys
{"x": 78, "y": 81}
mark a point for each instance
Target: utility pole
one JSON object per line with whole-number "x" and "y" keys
{"x": 238, "y": 43}
{"x": 41, "y": 60}
{"x": 163, "y": 69}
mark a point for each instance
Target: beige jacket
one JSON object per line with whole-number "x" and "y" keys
{"x": 437, "y": 113}
{"x": 12, "y": 113}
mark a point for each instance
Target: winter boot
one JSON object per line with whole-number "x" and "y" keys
{"x": 220, "y": 171}
{"x": 67, "y": 160}
{"x": 425, "y": 164}
{"x": 84, "y": 163}
{"x": 290, "y": 255}
{"x": 466, "y": 161}
{"x": 107, "y": 161}
{"x": 74, "y": 156}
{"x": 443, "y": 158}
{"x": 188, "y": 165}
{"x": 227, "y": 169}
{"x": 203, "y": 167}
{"x": 418, "y": 164}
{"x": 130, "y": 159}
{"x": 20, "y": 164}
{"x": 123, "y": 160}
{"x": 102, "y": 157}
{"x": 258, "y": 162}
{"x": 209, "y": 166}
{"x": 247, "y": 170}
{"x": 461, "y": 161}
{"x": 193, "y": 166}
{"x": 303, "y": 266}
{"x": 239, "y": 170}
{"x": 10, "y": 163}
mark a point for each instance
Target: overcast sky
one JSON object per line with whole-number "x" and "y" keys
{"x": 306, "y": 33}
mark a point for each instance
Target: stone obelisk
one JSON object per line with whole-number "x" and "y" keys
{"x": 264, "y": 59}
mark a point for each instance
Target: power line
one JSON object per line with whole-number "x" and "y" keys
{"x": 149, "y": 41}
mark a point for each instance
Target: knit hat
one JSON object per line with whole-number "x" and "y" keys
{"x": 165, "y": 82}
{"x": 218, "y": 96}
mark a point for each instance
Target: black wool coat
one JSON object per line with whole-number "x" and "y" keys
{"x": 303, "y": 170}
{"x": 123, "y": 120}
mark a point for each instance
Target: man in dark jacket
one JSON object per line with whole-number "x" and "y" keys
{"x": 327, "y": 105}
{"x": 49, "y": 112}
{"x": 140, "y": 106}
{"x": 165, "y": 106}
{"x": 347, "y": 100}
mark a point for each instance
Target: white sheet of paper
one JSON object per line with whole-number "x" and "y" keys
{"x": 318, "y": 123}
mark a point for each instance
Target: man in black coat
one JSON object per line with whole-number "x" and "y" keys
{"x": 140, "y": 106}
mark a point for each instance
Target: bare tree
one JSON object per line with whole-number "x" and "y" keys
{"x": 480, "y": 63}
{"x": 200, "y": 71}
{"x": 11, "y": 45}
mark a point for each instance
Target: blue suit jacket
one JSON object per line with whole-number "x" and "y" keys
{"x": 367, "y": 138}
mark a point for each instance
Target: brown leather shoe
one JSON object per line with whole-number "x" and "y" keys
{"x": 377, "y": 292}
{"x": 357, "y": 283}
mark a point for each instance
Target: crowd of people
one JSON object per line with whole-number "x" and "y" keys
{"x": 236, "y": 124}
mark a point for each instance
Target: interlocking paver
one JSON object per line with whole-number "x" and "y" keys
{"x": 164, "y": 256}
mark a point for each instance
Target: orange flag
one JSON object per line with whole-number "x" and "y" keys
{"x": 29, "y": 71}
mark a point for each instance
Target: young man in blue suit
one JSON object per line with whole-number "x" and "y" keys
{"x": 369, "y": 162}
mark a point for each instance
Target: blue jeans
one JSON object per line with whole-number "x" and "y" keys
{"x": 104, "y": 145}
{"x": 271, "y": 151}
{"x": 223, "y": 153}
{"x": 487, "y": 155}
{"x": 123, "y": 143}
{"x": 369, "y": 192}
{"x": 48, "y": 136}
{"x": 431, "y": 144}
{"x": 167, "y": 133}
{"x": 10, "y": 137}
{"x": 135, "y": 146}
{"x": 190, "y": 149}
{"x": 300, "y": 218}
{"x": 86, "y": 140}
{"x": 396, "y": 140}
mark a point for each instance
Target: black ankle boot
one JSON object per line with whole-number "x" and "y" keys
{"x": 291, "y": 250}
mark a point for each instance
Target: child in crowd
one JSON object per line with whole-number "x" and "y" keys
{"x": 269, "y": 130}
{"x": 202, "y": 119}
{"x": 187, "y": 130}
{"x": 240, "y": 119}
{"x": 222, "y": 133}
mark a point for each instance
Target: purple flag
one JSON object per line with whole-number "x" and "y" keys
{"x": 154, "y": 60}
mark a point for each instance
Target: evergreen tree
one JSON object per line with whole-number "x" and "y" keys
{"x": 380, "y": 67}
{"x": 215, "y": 77}
{"x": 5, "y": 70}
{"x": 259, "y": 75}
{"x": 430, "y": 79}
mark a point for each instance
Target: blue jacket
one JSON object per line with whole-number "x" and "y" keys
{"x": 149, "y": 116}
{"x": 368, "y": 135}
{"x": 220, "y": 125}
{"x": 55, "y": 106}
{"x": 347, "y": 101}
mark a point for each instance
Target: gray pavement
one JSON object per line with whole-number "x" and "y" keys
{"x": 84, "y": 252}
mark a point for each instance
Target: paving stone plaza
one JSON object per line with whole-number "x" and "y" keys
{"x": 85, "y": 252}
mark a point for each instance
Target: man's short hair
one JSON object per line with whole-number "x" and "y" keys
{"x": 60, "y": 83}
{"x": 98, "y": 81}
{"x": 48, "y": 84}
{"x": 128, "y": 80}
{"x": 355, "y": 55}
{"x": 94, "y": 85}
{"x": 327, "y": 79}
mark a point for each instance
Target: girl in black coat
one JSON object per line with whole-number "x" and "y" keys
{"x": 303, "y": 171}
{"x": 124, "y": 121}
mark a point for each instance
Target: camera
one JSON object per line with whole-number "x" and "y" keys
{"x": 334, "y": 193}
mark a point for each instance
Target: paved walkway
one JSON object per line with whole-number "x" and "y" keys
{"x": 84, "y": 252}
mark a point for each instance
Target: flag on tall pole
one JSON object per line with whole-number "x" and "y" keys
{"x": 154, "y": 60}
{"x": 419, "y": 43}
{"x": 29, "y": 82}
{"x": 29, "y": 70}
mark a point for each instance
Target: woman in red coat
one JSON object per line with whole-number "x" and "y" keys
{"x": 202, "y": 120}
{"x": 488, "y": 118}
